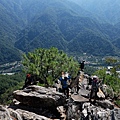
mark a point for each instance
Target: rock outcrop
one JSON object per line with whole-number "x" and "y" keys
{"x": 79, "y": 106}
{"x": 37, "y": 96}
{"x": 40, "y": 103}
{"x": 34, "y": 103}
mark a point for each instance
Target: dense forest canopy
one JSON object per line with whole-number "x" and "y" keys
{"x": 9, "y": 83}
{"x": 72, "y": 26}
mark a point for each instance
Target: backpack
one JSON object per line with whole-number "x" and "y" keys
{"x": 28, "y": 75}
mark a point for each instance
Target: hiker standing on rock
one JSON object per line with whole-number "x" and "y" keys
{"x": 64, "y": 79}
{"x": 94, "y": 88}
{"x": 82, "y": 66}
{"x": 89, "y": 80}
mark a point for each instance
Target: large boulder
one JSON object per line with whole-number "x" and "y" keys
{"x": 37, "y": 96}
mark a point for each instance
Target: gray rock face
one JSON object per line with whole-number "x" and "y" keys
{"x": 27, "y": 115}
{"x": 106, "y": 104}
{"x": 4, "y": 113}
{"x": 104, "y": 110}
{"x": 79, "y": 106}
{"x": 116, "y": 114}
{"x": 34, "y": 103}
{"x": 37, "y": 96}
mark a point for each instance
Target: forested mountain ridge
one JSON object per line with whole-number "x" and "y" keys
{"x": 65, "y": 27}
{"x": 107, "y": 10}
{"x": 63, "y": 24}
{"x": 9, "y": 28}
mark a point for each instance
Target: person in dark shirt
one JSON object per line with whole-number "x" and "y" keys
{"x": 89, "y": 80}
{"x": 64, "y": 82}
{"x": 28, "y": 80}
{"x": 94, "y": 88}
{"x": 82, "y": 65}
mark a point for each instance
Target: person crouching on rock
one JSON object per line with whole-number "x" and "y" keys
{"x": 28, "y": 80}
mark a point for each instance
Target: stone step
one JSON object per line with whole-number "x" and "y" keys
{"x": 79, "y": 98}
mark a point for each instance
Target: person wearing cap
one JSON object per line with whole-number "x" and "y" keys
{"x": 94, "y": 88}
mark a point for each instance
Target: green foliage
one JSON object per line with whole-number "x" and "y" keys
{"x": 101, "y": 74}
{"x": 9, "y": 27}
{"x": 110, "y": 60}
{"x": 9, "y": 83}
{"x": 70, "y": 31}
{"x": 9, "y": 54}
{"x": 89, "y": 69}
{"x": 113, "y": 81}
{"x": 49, "y": 63}
{"x": 110, "y": 79}
{"x": 117, "y": 102}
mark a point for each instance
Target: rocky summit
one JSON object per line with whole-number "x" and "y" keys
{"x": 41, "y": 103}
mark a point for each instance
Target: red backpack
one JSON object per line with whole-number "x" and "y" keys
{"x": 28, "y": 75}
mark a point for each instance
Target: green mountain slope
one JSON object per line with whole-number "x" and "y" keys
{"x": 9, "y": 54}
{"x": 108, "y": 10}
{"x": 10, "y": 25}
{"x": 116, "y": 43}
{"x": 68, "y": 31}
{"x": 63, "y": 24}
{"x": 91, "y": 43}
